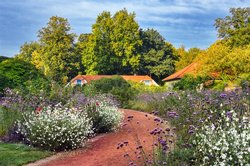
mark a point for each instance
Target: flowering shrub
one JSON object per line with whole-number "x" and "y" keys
{"x": 105, "y": 116}
{"x": 56, "y": 129}
{"x": 225, "y": 141}
{"x": 188, "y": 111}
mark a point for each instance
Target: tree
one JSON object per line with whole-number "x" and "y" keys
{"x": 2, "y": 58}
{"x": 26, "y": 51}
{"x": 97, "y": 52}
{"x": 235, "y": 29}
{"x": 229, "y": 63}
{"x": 126, "y": 40}
{"x": 157, "y": 56}
{"x": 56, "y": 56}
{"x": 16, "y": 73}
{"x": 112, "y": 48}
{"x": 186, "y": 57}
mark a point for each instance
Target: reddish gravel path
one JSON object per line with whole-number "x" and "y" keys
{"x": 102, "y": 150}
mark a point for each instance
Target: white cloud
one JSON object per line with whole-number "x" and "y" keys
{"x": 189, "y": 22}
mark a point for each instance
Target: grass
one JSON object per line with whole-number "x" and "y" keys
{"x": 19, "y": 154}
{"x": 7, "y": 118}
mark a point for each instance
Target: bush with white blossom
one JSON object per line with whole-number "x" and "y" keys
{"x": 106, "y": 117}
{"x": 57, "y": 128}
{"x": 225, "y": 141}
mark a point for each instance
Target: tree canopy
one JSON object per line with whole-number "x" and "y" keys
{"x": 235, "y": 29}
{"x": 16, "y": 73}
{"x": 185, "y": 58}
{"x": 56, "y": 54}
{"x": 158, "y": 56}
{"x": 112, "y": 47}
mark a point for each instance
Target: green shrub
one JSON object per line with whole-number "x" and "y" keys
{"x": 219, "y": 85}
{"x": 142, "y": 88}
{"x": 56, "y": 128}
{"x": 116, "y": 86}
{"x": 16, "y": 73}
{"x": 189, "y": 82}
{"x": 105, "y": 117}
{"x": 226, "y": 141}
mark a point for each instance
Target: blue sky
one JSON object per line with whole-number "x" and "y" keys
{"x": 181, "y": 22}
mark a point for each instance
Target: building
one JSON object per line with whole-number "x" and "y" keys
{"x": 172, "y": 79}
{"x": 86, "y": 79}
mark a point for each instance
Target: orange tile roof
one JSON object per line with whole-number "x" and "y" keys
{"x": 90, "y": 78}
{"x": 190, "y": 69}
{"x": 135, "y": 78}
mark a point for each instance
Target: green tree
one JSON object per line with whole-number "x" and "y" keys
{"x": 157, "y": 56}
{"x": 97, "y": 54}
{"x": 16, "y": 73}
{"x": 235, "y": 29}
{"x": 126, "y": 39}
{"x": 56, "y": 56}
{"x": 26, "y": 51}
{"x": 229, "y": 63}
{"x": 2, "y": 58}
{"x": 186, "y": 57}
{"x": 112, "y": 48}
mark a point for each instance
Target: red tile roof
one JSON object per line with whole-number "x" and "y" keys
{"x": 190, "y": 69}
{"x": 90, "y": 78}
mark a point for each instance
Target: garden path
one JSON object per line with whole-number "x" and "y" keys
{"x": 102, "y": 150}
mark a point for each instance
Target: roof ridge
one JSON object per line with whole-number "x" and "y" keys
{"x": 186, "y": 68}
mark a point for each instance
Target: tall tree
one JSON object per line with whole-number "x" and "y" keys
{"x": 186, "y": 57}
{"x": 26, "y": 51}
{"x": 98, "y": 54}
{"x": 220, "y": 58}
{"x": 157, "y": 56}
{"x": 112, "y": 48}
{"x": 126, "y": 40}
{"x": 235, "y": 29}
{"x": 57, "y": 49}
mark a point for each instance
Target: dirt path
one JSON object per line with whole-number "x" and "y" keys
{"x": 102, "y": 150}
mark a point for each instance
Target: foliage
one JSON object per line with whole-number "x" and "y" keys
{"x": 7, "y": 119}
{"x": 220, "y": 59}
{"x": 188, "y": 111}
{"x": 105, "y": 117}
{"x": 19, "y": 154}
{"x": 56, "y": 56}
{"x": 185, "y": 58}
{"x": 190, "y": 82}
{"x": 235, "y": 29}
{"x": 116, "y": 86}
{"x": 141, "y": 88}
{"x": 57, "y": 128}
{"x": 225, "y": 141}
{"x": 2, "y": 58}
{"x": 16, "y": 73}
{"x": 157, "y": 56}
{"x": 26, "y": 51}
{"x": 114, "y": 41}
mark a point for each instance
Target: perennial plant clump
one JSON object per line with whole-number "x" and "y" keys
{"x": 105, "y": 117}
{"x": 225, "y": 141}
{"x": 56, "y": 128}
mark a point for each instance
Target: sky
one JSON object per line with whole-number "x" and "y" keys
{"x": 180, "y": 22}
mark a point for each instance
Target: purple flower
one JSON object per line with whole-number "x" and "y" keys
{"x": 172, "y": 114}
{"x": 223, "y": 95}
{"x": 157, "y": 119}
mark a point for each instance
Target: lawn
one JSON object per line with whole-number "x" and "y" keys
{"x": 19, "y": 154}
